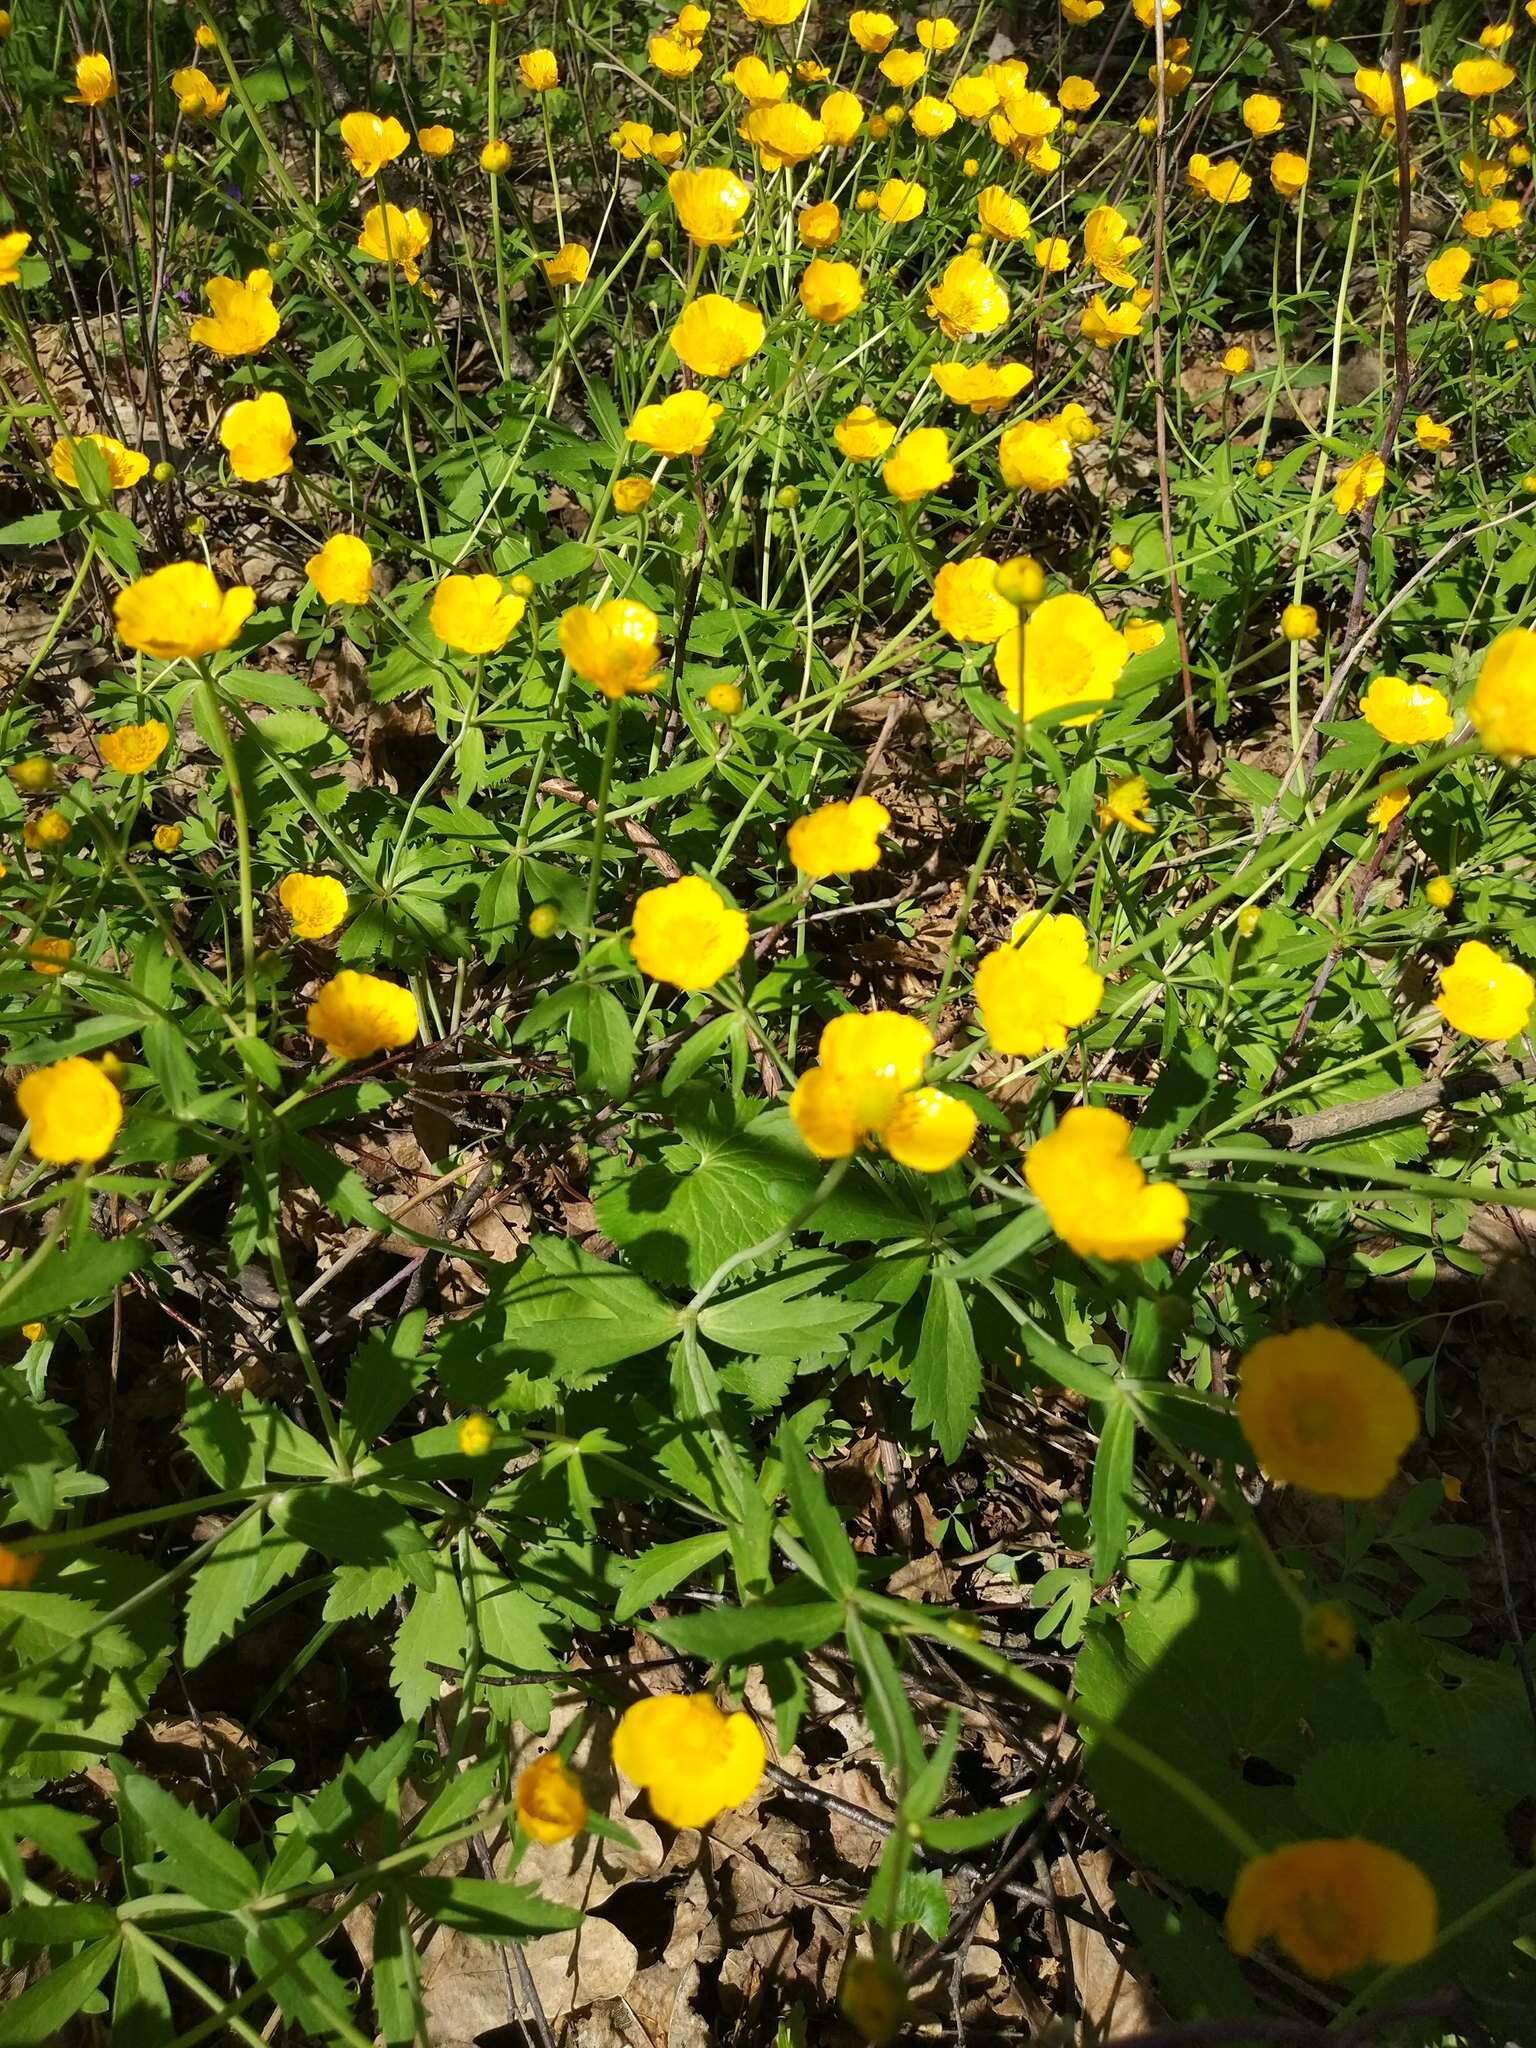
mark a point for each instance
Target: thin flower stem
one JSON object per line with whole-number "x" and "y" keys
{"x": 600, "y": 821}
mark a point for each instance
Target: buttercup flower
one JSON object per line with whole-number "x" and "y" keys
{"x": 981, "y": 386}
{"x": 666, "y": 149}
{"x": 679, "y": 425}
{"x": 968, "y": 299}
{"x": 932, "y": 118}
{"x": 918, "y": 465}
{"x": 124, "y": 466}
{"x": 244, "y": 318}
{"x": 1407, "y": 714}
{"x": 49, "y": 955}
{"x": 1126, "y": 801}
{"x": 772, "y": 13}
{"x": 1485, "y": 996}
{"x": 1108, "y": 245}
{"x": 74, "y": 1112}
{"x": 198, "y": 98}
{"x": 672, "y": 56}
{"x": 1324, "y": 1413}
{"x": 819, "y": 226}
{"x": 693, "y": 1760}
{"x": 435, "y": 141}
{"x": 1139, "y": 635}
{"x": 1263, "y": 114}
{"x": 781, "y": 135}
{"x": 938, "y": 33}
{"x": 539, "y": 70}
{"x": 1104, "y": 325}
{"x": 973, "y": 99}
{"x": 1053, "y": 252}
{"x": 496, "y": 155}
{"x": 1334, "y": 1906}
{"x": 841, "y": 117}
{"x": 1236, "y": 360}
{"x": 871, "y": 30}
{"x": 1375, "y": 88}
{"x": 258, "y": 436}
{"x": 1441, "y": 891}
{"x": 1357, "y": 482}
{"x": 356, "y": 1015}
{"x": 967, "y": 603}
{"x": 839, "y": 838}
{"x": 1388, "y": 807}
{"x": 1033, "y": 992}
{"x": 12, "y": 248}
{"x": 180, "y": 613}
{"x": 476, "y": 1434}
{"x": 1226, "y": 184}
{"x": 830, "y": 291}
{"x": 372, "y": 142}
{"x": 94, "y": 83}
{"x": 900, "y": 199}
{"x": 316, "y": 904}
{"x": 568, "y": 266}
{"x": 474, "y": 614}
{"x": 1502, "y": 707}
{"x": 1431, "y": 434}
{"x": 130, "y": 749}
{"x": 1035, "y": 455}
{"x": 1299, "y": 622}
{"x": 903, "y": 68}
{"x": 868, "y": 1084}
{"x": 550, "y": 1805}
{"x": 862, "y": 435}
{"x": 1078, "y": 94}
{"x": 686, "y": 934}
{"x": 1288, "y": 172}
{"x": 632, "y": 140}
{"x": 1497, "y": 298}
{"x": 715, "y": 335}
{"x": 390, "y": 236}
{"x": 1096, "y": 1196}
{"x": 48, "y": 832}
{"x": 758, "y": 86}
{"x": 1446, "y": 275}
{"x": 1477, "y": 77}
{"x": 632, "y": 493}
{"x": 342, "y": 571}
{"x": 1001, "y": 215}
{"x": 613, "y": 646}
{"x": 711, "y": 204}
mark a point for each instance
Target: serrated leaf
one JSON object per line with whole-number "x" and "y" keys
{"x": 946, "y": 1370}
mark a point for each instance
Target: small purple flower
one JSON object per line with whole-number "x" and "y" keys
{"x": 135, "y": 179}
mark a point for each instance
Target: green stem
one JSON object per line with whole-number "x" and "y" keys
{"x": 600, "y": 821}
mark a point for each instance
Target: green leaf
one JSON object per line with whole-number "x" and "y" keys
{"x": 1196, "y": 1971}
{"x": 958, "y": 1834}
{"x": 249, "y": 1562}
{"x": 1024, "y": 1229}
{"x": 516, "y": 1634}
{"x": 698, "y": 1051}
{"x": 820, "y": 1530}
{"x": 193, "y": 1857}
{"x": 1114, "y": 1473}
{"x": 780, "y": 1319}
{"x": 351, "y": 1524}
{"x": 1184, "y": 1087}
{"x": 221, "y": 1438}
{"x": 885, "y": 1702}
{"x": 44, "y": 2009}
{"x": 433, "y": 1632}
{"x": 602, "y": 1040}
{"x": 284, "y": 1951}
{"x": 791, "y": 1618}
{"x": 387, "y": 1370}
{"x": 474, "y": 1905}
{"x": 141, "y": 2005}
{"x": 657, "y": 1571}
{"x": 946, "y": 1370}
{"x": 72, "y": 1282}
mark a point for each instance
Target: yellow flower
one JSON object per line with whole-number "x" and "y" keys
{"x": 968, "y": 299}
{"x": 569, "y": 265}
{"x": 1081, "y": 12}
{"x": 1068, "y": 653}
{"x": 474, "y": 614}
{"x": 496, "y": 155}
{"x": 903, "y": 68}
{"x": 918, "y": 465}
{"x": 862, "y": 435}
{"x": 1030, "y": 114}
{"x": 938, "y": 33}
{"x": 342, "y": 570}
{"x": 244, "y": 318}
{"x": 839, "y": 838}
{"x": 900, "y": 199}
{"x": 1031, "y": 993}
{"x": 1035, "y": 455}
{"x": 94, "y": 83}
{"x": 46, "y": 833}
{"x": 1324, "y": 1413}
{"x": 830, "y": 291}
{"x": 1445, "y": 275}
{"x": 1236, "y": 360}
{"x": 1104, "y": 325}
{"x": 1357, "y": 482}
{"x": 550, "y": 1806}
{"x": 724, "y": 698}
{"x": 1126, "y": 802}
{"x": 711, "y": 205}
{"x": 435, "y": 141}
{"x": 316, "y": 904}
{"x": 50, "y": 956}
{"x": 1502, "y": 707}
{"x": 180, "y": 613}
{"x": 783, "y": 135}
{"x": 1485, "y": 996}
{"x": 672, "y": 56}
{"x": 773, "y": 13}
{"x": 693, "y": 1760}
{"x": 196, "y": 94}
{"x": 932, "y": 118}
{"x": 1263, "y": 114}
{"x": 538, "y": 69}
{"x": 166, "y": 838}
{"x": 1226, "y": 184}
{"x": 1430, "y": 433}
{"x": 1335, "y": 1905}
{"x": 868, "y": 1084}
{"x": 1098, "y": 1200}
{"x": 356, "y": 1015}
{"x": 632, "y": 140}
{"x": 372, "y": 142}
{"x": 1053, "y": 252}
{"x": 1077, "y": 94}
{"x": 715, "y": 335}
{"x": 666, "y": 149}
{"x": 819, "y": 226}
{"x": 1477, "y": 77}
{"x": 257, "y": 435}
{"x": 613, "y": 646}
{"x": 1108, "y": 245}
{"x": 476, "y": 1435}
{"x": 841, "y": 117}
{"x": 632, "y": 493}
{"x": 12, "y": 248}
{"x": 74, "y": 1111}
{"x": 1375, "y": 88}
{"x": 679, "y": 425}
{"x": 1441, "y": 891}
{"x": 1140, "y": 634}
{"x": 130, "y": 749}
{"x": 1001, "y": 215}
{"x": 758, "y": 86}
{"x": 968, "y": 604}
{"x": 1496, "y": 299}
{"x": 1299, "y": 622}
{"x": 32, "y": 775}
{"x": 390, "y": 236}
{"x": 1388, "y": 807}
{"x": 1288, "y": 172}
{"x": 1406, "y": 714}
{"x": 981, "y": 386}
{"x": 686, "y": 934}
{"x": 124, "y": 466}
{"x": 544, "y": 920}
{"x": 871, "y": 30}
{"x": 973, "y": 99}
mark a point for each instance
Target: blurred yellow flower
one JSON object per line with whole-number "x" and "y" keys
{"x": 1263, "y": 114}
{"x": 342, "y": 570}
{"x": 819, "y": 226}
{"x": 902, "y": 68}
{"x": 867, "y": 1084}
{"x": 568, "y": 266}
{"x": 1288, "y": 172}
{"x": 538, "y": 70}
{"x": 871, "y": 30}
{"x": 257, "y": 434}
{"x": 1496, "y": 299}
{"x": 196, "y": 94}
{"x": 982, "y": 386}
{"x": 474, "y": 614}
{"x": 1104, "y": 325}
{"x": 1095, "y": 1195}
{"x": 758, "y": 86}
{"x": 841, "y": 117}
{"x": 1388, "y": 807}
{"x": 781, "y": 135}
{"x": 973, "y": 99}
{"x": 476, "y": 1435}
{"x": 612, "y": 646}
{"x": 12, "y": 248}
{"x": 932, "y": 118}
{"x": 316, "y": 904}
{"x": 918, "y": 465}
{"x": 356, "y": 1015}
{"x": 1477, "y": 77}
{"x": 1236, "y": 360}
{"x": 124, "y": 466}
{"x": 1126, "y": 802}
{"x": 1226, "y": 184}
{"x": 1053, "y": 252}
{"x": 49, "y": 955}
{"x": 73, "y": 1110}
{"x": 969, "y": 299}
{"x": 1067, "y": 653}
{"x": 724, "y": 698}
{"x": 673, "y": 56}
{"x": 862, "y": 435}
{"x": 390, "y": 236}
{"x": 1334, "y": 1906}
{"x": 1357, "y": 482}
{"x": 632, "y": 493}
{"x": 1035, "y": 455}
{"x": 967, "y": 603}
{"x": 711, "y": 204}
{"x": 686, "y": 934}
{"x": 838, "y": 838}
{"x": 1324, "y": 1413}
{"x": 130, "y": 749}
{"x": 829, "y": 290}
{"x": 1406, "y": 714}
{"x": 1108, "y": 245}
{"x": 48, "y": 832}
{"x": 244, "y": 318}
{"x": 900, "y": 199}
{"x": 715, "y": 335}
{"x": 1375, "y": 88}
{"x": 679, "y": 425}
{"x": 550, "y": 1804}
{"x": 1485, "y": 996}
{"x": 435, "y": 141}
{"x": 371, "y": 142}
{"x": 938, "y": 33}
{"x": 166, "y": 838}
{"x": 1033, "y": 992}
{"x": 1502, "y": 707}
{"x": 180, "y": 613}
{"x": 693, "y": 1760}
{"x": 94, "y": 83}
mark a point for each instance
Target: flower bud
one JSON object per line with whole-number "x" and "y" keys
{"x": 874, "y": 1999}
{"x": 522, "y": 586}
{"x": 653, "y": 251}
{"x": 1328, "y": 1633}
{"x": 724, "y": 698}
{"x": 787, "y": 498}
{"x": 544, "y": 920}
{"x": 476, "y": 1435}
{"x": 164, "y": 472}
{"x": 33, "y": 775}
{"x": 1021, "y": 581}
{"x": 1248, "y": 920}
